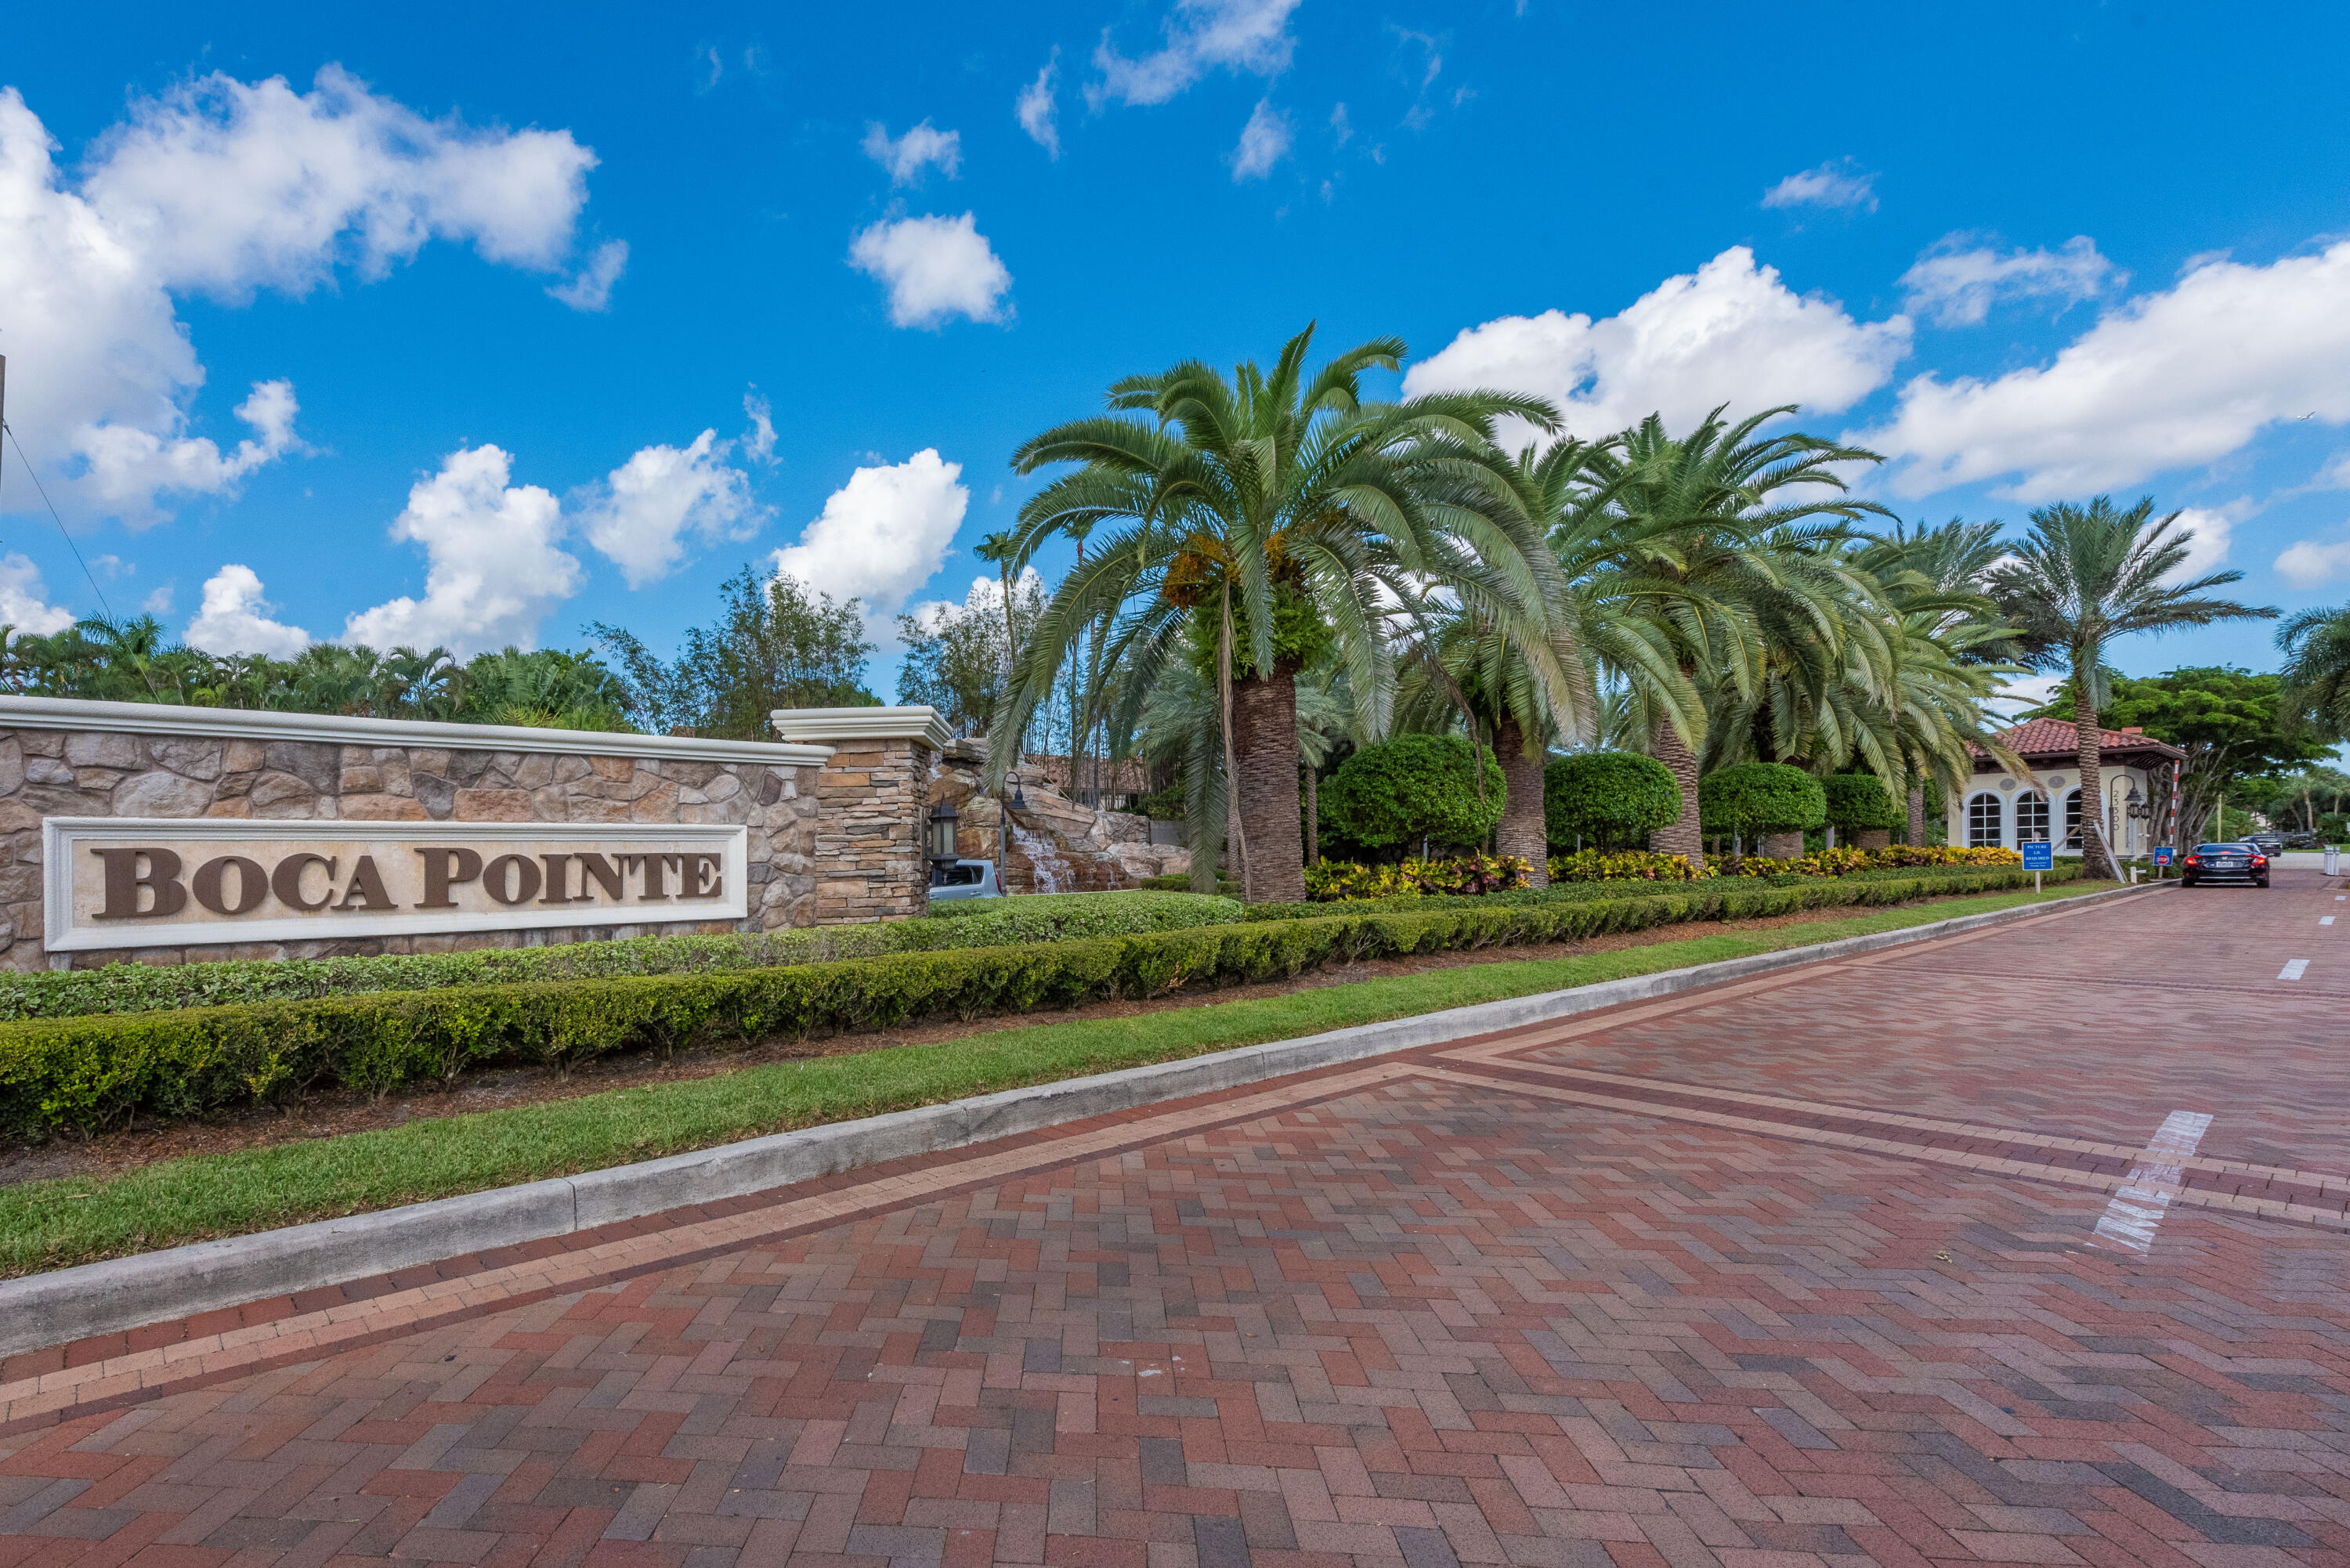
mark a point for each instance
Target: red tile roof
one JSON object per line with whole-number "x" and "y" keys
{"x": 2057, "y": 738}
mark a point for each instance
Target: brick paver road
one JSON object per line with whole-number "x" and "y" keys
{"x": 1922, "y": 1257}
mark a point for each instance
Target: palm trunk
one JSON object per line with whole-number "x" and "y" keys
{"x": 1235, "y": 831}
{"x": 1918, "y": 815}
{"x": 1523, "y": 831}
{"x": 1313, "y": 818}
{"x": 2095, "y": 864}
{"x": 1685, "y": 837}
{"x": 1264, "y": 736}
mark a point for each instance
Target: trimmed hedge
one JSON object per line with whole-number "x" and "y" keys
{"x": 1860, "y": 802}
{"x": 972, "y": 923}
{"x": 1607, "y": 798}
{"x": 92, "y": 1072}
{"x": 1412, "y": 787}
{"x": 1760, "y": 797}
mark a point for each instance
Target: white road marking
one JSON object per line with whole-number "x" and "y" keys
{"x": 2322, "y": 920}
{"x": 2295, "y": 970}
{"x": 2136, "y": 1209}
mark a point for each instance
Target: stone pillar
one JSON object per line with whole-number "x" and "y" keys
{"x": 1872, "y": 838}
{"x": 873, "y": 805}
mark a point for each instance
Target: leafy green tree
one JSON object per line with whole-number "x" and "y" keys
{"x": 776, "y": 644}
{"x": 1412, "y": 789}
{"x": 2085, "y": 576}
{"x": 2235, "y": 726}
{"x": 957, "y": 658}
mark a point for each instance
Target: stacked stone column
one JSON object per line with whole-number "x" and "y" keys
{"x": 873, "y": 808}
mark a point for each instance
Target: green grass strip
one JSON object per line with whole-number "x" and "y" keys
{"x": 57, "y": 1223}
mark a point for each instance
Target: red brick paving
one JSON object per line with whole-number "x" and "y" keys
{"x": 1407, "y": 1320}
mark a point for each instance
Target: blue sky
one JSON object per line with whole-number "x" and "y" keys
{"x": 409, "y": 325}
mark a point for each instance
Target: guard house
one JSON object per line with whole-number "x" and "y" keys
{"x": 2005, "y": 810}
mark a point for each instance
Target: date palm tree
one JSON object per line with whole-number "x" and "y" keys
{"x": 2316, "y": 647}
{"x": 1727, "y": 543}
{"x": 1477, "y": 662}
{"x": 1249, "y": 523}
{"x": 2082, "y": 576}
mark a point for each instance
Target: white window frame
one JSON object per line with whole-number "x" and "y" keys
{"x": 1999, "y": 820}
{"x": 2038, "y": 834}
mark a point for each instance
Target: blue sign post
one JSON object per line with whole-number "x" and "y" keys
{"x": 2162, "y": 855}
{"x": 2039, "y": 857}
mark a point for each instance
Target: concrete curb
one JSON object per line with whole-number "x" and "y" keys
{"x": 121, "y": 1293}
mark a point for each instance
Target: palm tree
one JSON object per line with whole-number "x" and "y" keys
{"x": 1253, "y": 522}
{"x": 2316, "y": 647}
{"x": 1727, "y": 550}
{"x": 1488, "y": 659}
{"x": 2082, "y": 576}
{"x": 1953, "y": 647}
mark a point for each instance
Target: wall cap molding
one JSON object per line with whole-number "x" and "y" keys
{"x": 338, "y": 729}
{"x": 840, "y": 724}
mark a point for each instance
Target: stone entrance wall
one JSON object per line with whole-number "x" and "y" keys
{"x": 61, "y": 758}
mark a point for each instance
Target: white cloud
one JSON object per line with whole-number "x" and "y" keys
{"x": 1250, "y": 35}
{"x": 128, "y": 470}
{"x": 1339, "y": 127}
{"x": 158, "y": 603}
{"x": 883, "y": 535}
{"x": 759, "y": 443}
{"x": 923, "y": 146}
{"x": 494, "y": 568}
{"x": 23, "y": 601}
{"x": 1956, "y": 285}
{"x": 2310, "y": 562}
{"x": 1035, "y": 108}
{"x": 984, "y": 597}
{"x": 2023, "y": 694}
{"x": 1832, "y": 184}
{"x": 1730, "y": 332}
{"x": 234, "y": 619}
{"x": 1264, "y": 141}
{"x": 2167, "y": 380}
{"x": 590, "y": 289}
{"x": 222, "y": 188}
{"x": 935, "y": 268}
{"x": 2207, "y": 552}
{"x": 642, "y": 516}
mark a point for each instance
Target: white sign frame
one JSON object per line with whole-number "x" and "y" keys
{"x": 63, "y": 838}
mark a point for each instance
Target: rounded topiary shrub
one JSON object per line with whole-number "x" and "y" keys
{"x": 1859, "y": 802}
{"x": 1413, "y": 787}
{"x": 1607, "y": 799}
{"x": 1760, "y": 797}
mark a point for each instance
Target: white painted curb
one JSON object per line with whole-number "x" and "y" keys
{"x": 68, "y": 1305}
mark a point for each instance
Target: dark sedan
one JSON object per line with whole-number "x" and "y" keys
{"x": 2225, "y": 863}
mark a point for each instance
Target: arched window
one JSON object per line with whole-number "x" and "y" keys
{"x": 2031, "y": 817}
{"x": 2072, "y": 820}
{"x": 1982, "y": 821}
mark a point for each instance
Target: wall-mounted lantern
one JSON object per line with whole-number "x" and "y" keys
{"x": 943, "y": 821}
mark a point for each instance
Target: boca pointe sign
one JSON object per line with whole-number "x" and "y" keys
{"x": 115, "y": 882}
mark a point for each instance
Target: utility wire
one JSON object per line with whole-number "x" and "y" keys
{"x": 34, "y": 475}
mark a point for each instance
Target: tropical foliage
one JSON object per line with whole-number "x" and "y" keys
{"x": 136, "y": 661}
